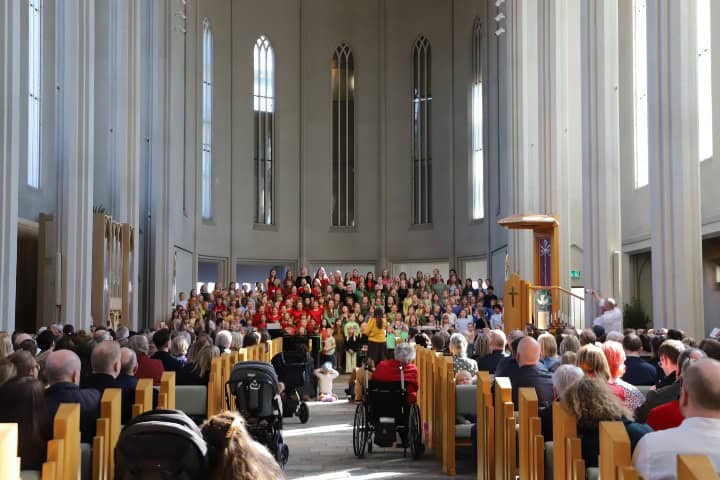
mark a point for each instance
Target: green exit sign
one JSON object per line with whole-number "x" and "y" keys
{"x": 575, "y": 274}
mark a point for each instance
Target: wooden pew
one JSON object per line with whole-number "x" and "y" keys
{"x": 63, "y": 455}
{"x": 166, "y": 398}
{"x": 143, "y": 397}
{"x": 9, "y": 461}
{"x": 437, "y": 412}
{"x": 447, "y": 393}
{"x": 423, "y": 360}
{"x": 215, "y": 387}
{"x": 695, "y": 467}
{"x": 567, "y": 455}
{"x": 107, "y": 433}
{"x": 485, "y": 428}
{"x": 277, "y": 346}
{"x": 505, "y": 437}
{"x": 615, "y": 458}
{"x": 531, "y": 448}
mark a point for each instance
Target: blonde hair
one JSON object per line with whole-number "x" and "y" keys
{"x": 179, "y": 346}
{"x": 548, "y": 345}
{"x": 592, "y": 401}
{"x": 202, "y": 359}
{"x": 233, "y": 454}
{"x": 593, "y": 362}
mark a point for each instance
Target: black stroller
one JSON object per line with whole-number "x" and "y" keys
{"x": 291, "y": 369}
{"x": 257, "y": 397}
{"x": 161, "y": 444}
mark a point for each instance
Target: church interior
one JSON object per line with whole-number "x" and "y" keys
{"x": 359, "y": 239}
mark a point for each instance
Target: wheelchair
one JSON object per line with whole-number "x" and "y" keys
{"x": 384, "y": 415}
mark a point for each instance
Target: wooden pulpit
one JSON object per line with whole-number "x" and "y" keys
{"x": 546, "y": 257}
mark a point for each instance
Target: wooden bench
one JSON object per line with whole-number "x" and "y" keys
{"x": 215, "y": 388}
{"x": 695, "y": 467}
{"x": 485, "y": 428}
{"x": 505, "y": 436}
{"x": 167, "y": 396}
{"x": 143, "y": 397}
{"x": 9, "y": 461}
{"x": 63, "y": 454}
{"x": 567, "y": 453}
{"x": 532, "y": 443}
{"x": 615, "y": 457}
{"x": 107, "y": 433}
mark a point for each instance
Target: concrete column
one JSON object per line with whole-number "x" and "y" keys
{"x": 674, "y": 166}
{"x": 10, "y": 100}
{"x": 521, "y": 59}
{"x": 600, "y": 149}
{"x": 76, "y": 60}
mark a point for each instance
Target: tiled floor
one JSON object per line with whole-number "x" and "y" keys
{"x": 322, "y": 449}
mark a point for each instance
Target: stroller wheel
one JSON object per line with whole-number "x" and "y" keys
{"x": 282, "y": 455}
{"x": 303, "y": 412}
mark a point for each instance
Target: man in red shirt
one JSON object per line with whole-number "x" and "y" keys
{"x": 389, "y": 370}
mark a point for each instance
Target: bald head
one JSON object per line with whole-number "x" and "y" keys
{"x": 528, "y": 352}
{"x": 62, "y": 366}
{"x": 128, "y": 358}
{"x": 700, "y": 395}
{"x": 106, "y": 358}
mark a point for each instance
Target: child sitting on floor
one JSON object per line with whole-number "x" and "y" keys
{"x": 326, "y": 374}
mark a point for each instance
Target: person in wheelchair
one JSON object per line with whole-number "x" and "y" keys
{"x": 388, "y": 371}
{"x": 391, "y": 409}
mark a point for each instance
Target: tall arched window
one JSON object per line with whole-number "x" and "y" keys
{"x": 478, "y": 162}
{"x": 207, "y": 71}
{"x": 421, "y": 133}
{"x": 34, "y": 60}
{"x": 343, "y": 133}
{"x": 640, "y": 99}
{"x": 704, "y": 78}
{"x": 264, "y": 111}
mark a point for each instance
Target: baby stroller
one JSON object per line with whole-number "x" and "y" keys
{"x": 161, "y": 444}
{"x": 257, "y": 397}
{"x": 291, "y": 368}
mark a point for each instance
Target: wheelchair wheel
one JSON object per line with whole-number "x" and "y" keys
{"x": 303, "y": 412}
{"x": 360, "y": 431}
{"x": 415, "y": 433}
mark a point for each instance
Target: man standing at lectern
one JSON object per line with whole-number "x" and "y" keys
{"x": 611, "y": 317}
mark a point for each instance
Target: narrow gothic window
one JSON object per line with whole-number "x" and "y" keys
{"x": 478, "y": 187}
{"x": 421, "y": 133}
{"x": 704, "y": 78}
{"x": 264, "y": 113}
{"x": 207, "y": 53}
{"x": 640, "y": 100}
{"x": 343, "y": 137}
{"x": 34, "y": 66}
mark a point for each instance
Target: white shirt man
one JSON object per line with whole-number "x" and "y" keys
{"x": 611, "y": 318}
{"x": 655, "y": 456}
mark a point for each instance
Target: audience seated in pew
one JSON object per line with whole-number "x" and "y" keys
{"x": 637, "y": 370}
{"x": 161, "y": 339}
{"x": 107, "y": 365}
{"x": 668, "y": 415}
{"x": 667, "y": 389}
{"x": 592, "y": 401}
{"x": 655, "y": 457}
{"x": 147, "y": 367}
{"x": 593, "y": 362}
{"x": 22, "y": 401}
{"x": 25, "y": 363}
{"x": 563, "y": 377}
{"x": 489, "y": 362}
{"x": 505, "y": 367}
{"x": 531, "y": 373}
{"x": 458, "y": 350}
{"x": 615, "y": 356}
{"x": 197, "y": 369}
{"x": 548, "y": 352}
{"x": 62, "y": 372}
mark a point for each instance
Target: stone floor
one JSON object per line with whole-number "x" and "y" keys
{"x": 322, "y": 449}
